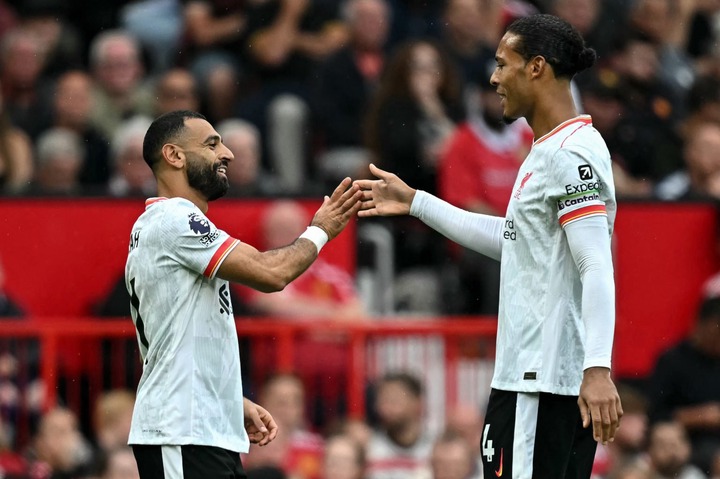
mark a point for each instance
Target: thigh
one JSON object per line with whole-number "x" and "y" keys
{"x": 563, "y": 448}
{"x": 187, "y": 462}
{"x": 498, "y": 437}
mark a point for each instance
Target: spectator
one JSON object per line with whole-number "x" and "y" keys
{"x": 111, "y": 419}
{"x": 323, "y": 291}
{"x": 703, "y": 104}
{"x": 60, "y": 157}
{"x": 58, "y": 448}
{"x": 25, "y": 96}
{"x": 176, "y": 89}
{"x": 629, "y": 445}
{"x": 603, "y": 99}
{"x": 158, "y": 26}
{"x": 466, "y": 421}
{"x": 131, "y": 175}
{"x": 120, "y": 464}
{"x": 667, "y": 25}
{"x": 344, "y": 85}
{"x": 247, "y": 177}
{"x": 466, "y": 37}
{"x": 73, "y": 105}
{"x": 118, "y": 70}
{"x": 16, "y": 162}
{"x": 410, "y": 120}
{"x": 414, "y": 113}
{"x": 214, "y": 30}
{"x": 599, "y": 22}
{"x": 47, "y": 21}
{"x": 634, "y": 471}
{"x": 286, "y": 39}
{"x": 399, "y": 447}
{"x": 477, "y": 172}
{"x": 647, "y": 145}
{"x": 344, "y": 458}
{"x": 685, "y": 385}
{"x": 452, "y": 457}
{"x": 700, "y": 178}
{"x": 669, "y": 452}
{"x": 297, "y": 450}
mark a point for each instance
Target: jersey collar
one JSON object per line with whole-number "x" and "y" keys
{"x": 151, "y": 201}
{"x": 581, "y": 119}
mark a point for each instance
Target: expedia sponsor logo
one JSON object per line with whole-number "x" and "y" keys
{"x": 577, "y": 200}
{"x": 584, "y": 187}
{"x": 585, "y": 172}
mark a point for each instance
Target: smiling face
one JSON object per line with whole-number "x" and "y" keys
{"x": 207, "y": 159}
{"x": 510, "y": 79}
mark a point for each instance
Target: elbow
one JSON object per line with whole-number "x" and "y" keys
{"x": 274, "y": 284}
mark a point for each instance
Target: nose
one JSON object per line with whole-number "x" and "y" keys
{"x": 493, "y": 79}
{"x": 225, "y": 153}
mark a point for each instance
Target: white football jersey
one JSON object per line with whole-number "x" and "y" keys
{"x": 190, "y": 391}
{"x": 566, "y": 176}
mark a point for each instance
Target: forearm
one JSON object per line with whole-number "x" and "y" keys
{"x": 699, "y": 417}
{"x": 268, "y": 271}
{"x": 319, "y": 45}
{"x": 478, "y": 232}
{"x": 589, "y": 243}
{"x": 217, "y": 30}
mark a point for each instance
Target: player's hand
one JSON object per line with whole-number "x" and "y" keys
{"x": 387, "y": 196}
{"x": 259, "y": 424}
{"x": 337, "y": 209}
{"x": 600, "y": 404}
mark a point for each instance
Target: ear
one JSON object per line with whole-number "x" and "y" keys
{"x": 173, "y": 156}
{"x": 537, "y": 66}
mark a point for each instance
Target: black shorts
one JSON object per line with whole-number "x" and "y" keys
{"x": 535, "y": 436}
{"x": 187, "y": 462}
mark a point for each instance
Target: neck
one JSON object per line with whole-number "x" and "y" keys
{"x": 407, "y": 436}
{"x": 174, "y": 189}
{"x": 552, "y": 108}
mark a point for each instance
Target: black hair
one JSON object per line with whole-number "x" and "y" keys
{"x": 163, "y": 129}
{"x": 409, "y": 381}
{"x": 706, "y": 89}
{"x": 554, "y": 39}
{"x": 709, "y": 310}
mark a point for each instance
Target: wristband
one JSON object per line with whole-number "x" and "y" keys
{"x": 316, "y": 235}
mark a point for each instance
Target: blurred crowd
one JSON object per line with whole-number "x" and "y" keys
{"x": 305, "y": 92}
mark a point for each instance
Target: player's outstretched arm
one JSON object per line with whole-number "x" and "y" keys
{"x": 386, "y": 196}
{"x": 272, "y": 270}
{"x": 259, "y": 424}
{"x": 390, "y": 196}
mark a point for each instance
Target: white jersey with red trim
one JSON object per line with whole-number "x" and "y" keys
{"x": 566, "y": 176}
{"x": 190, "y": 391}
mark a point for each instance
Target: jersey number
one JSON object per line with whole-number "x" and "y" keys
{"x": 135, "y": 302}
{"x": 487, "y": 445}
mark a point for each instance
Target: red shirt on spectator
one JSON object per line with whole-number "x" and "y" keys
{"x": 480, "y": 164}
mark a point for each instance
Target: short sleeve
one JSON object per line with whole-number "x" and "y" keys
{"x": 192, "y": 240}
{"x": 578, "y": 185}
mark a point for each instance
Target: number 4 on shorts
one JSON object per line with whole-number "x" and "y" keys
{"x": 487, "y": 445}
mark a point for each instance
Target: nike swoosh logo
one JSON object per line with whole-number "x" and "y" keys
{"x": 498, "y": 473}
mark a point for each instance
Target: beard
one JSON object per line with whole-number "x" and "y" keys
{"x": 205, "y": 179}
